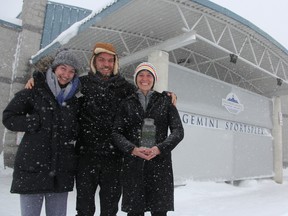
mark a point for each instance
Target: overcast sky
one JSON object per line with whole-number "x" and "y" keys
{"x": 270, "y": 16}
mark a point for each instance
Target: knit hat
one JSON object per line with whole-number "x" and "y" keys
{"x": 66, "y": 57}
{"x": 145, "y": 66}
{"x": 106, "y": 48}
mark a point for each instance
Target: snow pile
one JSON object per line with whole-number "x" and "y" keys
{"x": 250, "y": 198}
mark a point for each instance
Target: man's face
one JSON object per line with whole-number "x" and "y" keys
{"x": 104, "y": 63}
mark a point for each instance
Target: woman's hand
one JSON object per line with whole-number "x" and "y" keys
{"x": 140, "y": 152}
{"x": 152, "y": 152}
{"x": 146, "y": 153}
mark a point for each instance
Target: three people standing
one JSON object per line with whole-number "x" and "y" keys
{"x": 100, "y": 161}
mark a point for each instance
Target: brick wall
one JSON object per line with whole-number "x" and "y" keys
{"x": 17, "y": 46}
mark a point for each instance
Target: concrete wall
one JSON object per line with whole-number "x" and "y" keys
{"x": 220, "y": 143}
{"x": 9, "y": 35}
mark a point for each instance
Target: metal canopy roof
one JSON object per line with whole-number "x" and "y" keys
{"x": 137, "y": 25}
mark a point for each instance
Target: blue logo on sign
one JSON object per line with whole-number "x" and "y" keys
{"x": 232, "y": 104}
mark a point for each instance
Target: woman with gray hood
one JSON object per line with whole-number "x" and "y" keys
{"x": 45, "y": 163}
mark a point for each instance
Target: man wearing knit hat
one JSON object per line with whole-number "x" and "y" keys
{"x": 99, "y": 161}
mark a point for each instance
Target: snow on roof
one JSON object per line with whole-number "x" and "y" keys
{"x": 71, "y": 32}
{"x": 11, "y": 23}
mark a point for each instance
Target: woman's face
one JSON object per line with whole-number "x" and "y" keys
{"x": 64, "y": 73}
{"x": 145, "y": 81}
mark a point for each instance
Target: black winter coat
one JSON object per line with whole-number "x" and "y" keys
{"x": 100, "y": 101}
{"x": 148, "y": 185}
{"x": 46, "y": 159}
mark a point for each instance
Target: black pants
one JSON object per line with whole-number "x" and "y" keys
{"x": 152, "y": 214}
{"x": 102, "y": 171}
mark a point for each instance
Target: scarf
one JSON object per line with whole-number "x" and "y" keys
{"x": 144, "y": 100}
{"x": 61, "y": 94}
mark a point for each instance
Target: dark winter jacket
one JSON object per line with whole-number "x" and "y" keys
{"x": 100, "y": 101}
{"x": 46, "y": 159}
{"x": 147, "y": 185}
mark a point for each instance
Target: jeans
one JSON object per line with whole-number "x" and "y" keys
{"x": 152, "y": 213}
{"x": 55, "y": 204}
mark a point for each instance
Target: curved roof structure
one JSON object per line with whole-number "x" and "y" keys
{"x": 198, "y": 34}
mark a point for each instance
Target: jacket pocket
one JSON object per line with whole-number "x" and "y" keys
{"x": 67, "y": 158}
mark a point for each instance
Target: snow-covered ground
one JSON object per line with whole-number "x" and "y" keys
{"x": 249, "y": 198}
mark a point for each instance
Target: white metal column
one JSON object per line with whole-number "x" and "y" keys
{"x": 277, "y": 135}
{"x": 160, "y": 59}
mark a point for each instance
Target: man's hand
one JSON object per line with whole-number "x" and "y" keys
{"x": 173, "y": 97}
{"x": 29, "y": 84}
